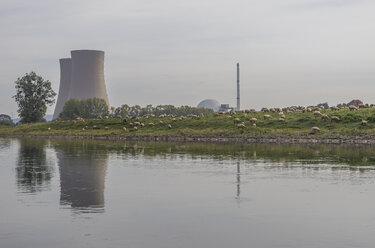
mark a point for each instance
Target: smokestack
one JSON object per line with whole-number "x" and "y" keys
{"x": 65, "y": 78}
{"x": 88, "y": 75}
{"x": 238, "y": 86}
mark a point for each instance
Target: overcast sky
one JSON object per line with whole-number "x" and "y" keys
{"x": 291, "y": 52}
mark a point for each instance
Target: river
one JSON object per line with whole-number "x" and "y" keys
{"x": 85, "y": 193}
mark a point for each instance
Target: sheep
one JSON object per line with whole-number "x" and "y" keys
{"x": 174, "y": 119}
{"x": 282, "y": 116}
{"x": 335, "y": 118}
{"x": 161, "y": 122}
{"x": 335, "y": 108}
{"x": 151, "y": 124}
{"x": 83, "y": 129}
{"x": 315, "y": 129}
{"x": 253, "y": 120}
{"x": 124, "y": 128}
{"x": 352, "y": 108}
{"x": 236, "y": 120}
{"x": 49, "y": 129}
{"x": 106, "y": 128}
{"x": 169, "y": 126}
{"x": 241, "y": 125}
{"x": 135, "y": 128}
{"x": 325, "y": 117}
{"x": 142, "y": 124}
{"x": 266, "y": 117}
{"x": 309, "y": 109}
{"x": 317, "y": 113}
{"x": 281, "y": 120}
{"x": 254, "y": 125}
{"x": 364, "y": 123}
{"x": 281, "y": 113}
{"x": 95, "y": 127}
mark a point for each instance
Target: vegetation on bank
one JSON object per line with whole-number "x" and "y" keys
{"x": 33, "y": 94}
{"x": 333, "y": 122}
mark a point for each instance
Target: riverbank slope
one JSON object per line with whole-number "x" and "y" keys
{"x": 334, "y": 126}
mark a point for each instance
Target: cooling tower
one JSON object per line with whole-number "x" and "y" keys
{"x": 88, "y": 75}
{"x": 65, "y": 80}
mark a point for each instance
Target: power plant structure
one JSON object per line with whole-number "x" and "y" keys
{"x": 238, "y": 87}
{"x": 65, "y": 79}
{"x": 216, "y": 106}
{"x": 81, "y": 76}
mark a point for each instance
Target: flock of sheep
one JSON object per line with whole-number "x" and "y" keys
{"x": 134, "y": 123}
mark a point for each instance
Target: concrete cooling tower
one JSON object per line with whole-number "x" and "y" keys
{"x": 81, "y": 77}
{"x": 88, "y": 75}
{"x": 65, "y": 80}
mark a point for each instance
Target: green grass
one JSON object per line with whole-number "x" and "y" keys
{"x": 296, "y": 124}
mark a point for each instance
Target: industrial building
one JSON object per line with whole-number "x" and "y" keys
{"x": 216, "y": 106}
{"x": 81, "y": 76}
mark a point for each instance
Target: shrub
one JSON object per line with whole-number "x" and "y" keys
{"x": 88, "y": 108}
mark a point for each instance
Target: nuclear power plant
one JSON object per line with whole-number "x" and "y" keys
{"x": 216, "y": 106}
{"x": 65, "y": 79}
{"x": 81, "y": 76}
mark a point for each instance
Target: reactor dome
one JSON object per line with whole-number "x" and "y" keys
{"x": 209, "y": 104}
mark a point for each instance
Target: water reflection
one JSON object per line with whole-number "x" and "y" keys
{"x": 82, "y": 167}
{"x": 33, "y": 170}
{"x": 4, "y": 144}
{"x": 238, "y": 180}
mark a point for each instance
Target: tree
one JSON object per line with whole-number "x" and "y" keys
{"x": 33, "y": 94}
{"x": 93, "y": 108}
{"x": 86, "y": 108}
{"x": 6, "y": 120}
{"x": 71, "y": 109}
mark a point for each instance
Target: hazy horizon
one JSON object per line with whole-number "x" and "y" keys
{"x": 292, "y": 52}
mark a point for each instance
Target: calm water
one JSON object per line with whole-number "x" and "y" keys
{"x": 59, "y": 193}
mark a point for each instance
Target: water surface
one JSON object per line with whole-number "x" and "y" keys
{"x": 61, "y": 193}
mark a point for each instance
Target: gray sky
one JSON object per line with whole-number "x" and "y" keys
{"x": 291, "y": 52}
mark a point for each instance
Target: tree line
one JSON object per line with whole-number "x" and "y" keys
{"x": 33, "y": 94}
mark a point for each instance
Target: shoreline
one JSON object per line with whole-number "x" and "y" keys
{"x": 354, "y": 140}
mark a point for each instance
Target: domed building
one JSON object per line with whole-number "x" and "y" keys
{"x": 209, "y": 104}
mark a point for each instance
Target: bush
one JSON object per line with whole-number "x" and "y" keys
{"x": 6, "y": 120}
{"x": 88, "y": 108}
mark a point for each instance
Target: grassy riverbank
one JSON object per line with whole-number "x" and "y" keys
{"x": 296, "y": 124}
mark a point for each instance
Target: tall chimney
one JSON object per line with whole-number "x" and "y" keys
{"x": 238, "y": 86}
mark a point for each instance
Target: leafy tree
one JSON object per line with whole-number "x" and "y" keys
{"x": 33, "y": 94}
{"x": 93, "y": 108}
{"x": 71, "y": 109}
{"x": 86, "y": 108}
{"x": 6, "y": 120}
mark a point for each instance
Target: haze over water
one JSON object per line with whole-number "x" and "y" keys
{"x": 60, "y": 193}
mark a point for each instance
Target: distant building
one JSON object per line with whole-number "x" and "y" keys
{"x": 356, "y": 103}
{"x": 209, "y": 104}
{"x": 225, "y": 107}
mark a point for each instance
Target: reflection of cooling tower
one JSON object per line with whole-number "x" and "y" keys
{"x": 65, "y": 80}
{"x": 88, "y": 75}
{"x": 82, "y": 180}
